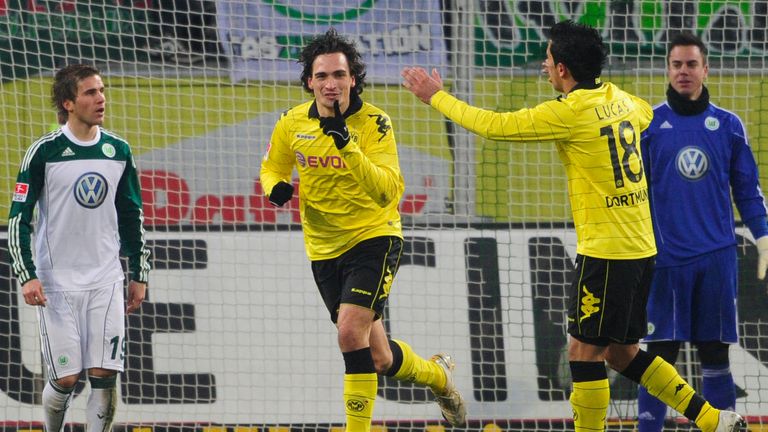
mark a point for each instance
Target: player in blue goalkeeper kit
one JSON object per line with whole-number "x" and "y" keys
{"x": 696, "y": 157}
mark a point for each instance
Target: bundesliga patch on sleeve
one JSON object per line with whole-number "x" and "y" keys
{"x": 20, "y": 193}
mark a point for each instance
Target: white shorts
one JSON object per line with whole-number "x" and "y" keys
{"x": 83, "y": 330}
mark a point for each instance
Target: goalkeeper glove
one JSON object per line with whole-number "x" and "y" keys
{"x": 335, "y": 127}
{"x": 762, "y": 258}
{"x": 281, "y": 194}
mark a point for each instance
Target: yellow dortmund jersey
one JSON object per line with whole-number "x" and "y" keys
{"x": 346, "y": 195}
{"x": 597, "y": 133}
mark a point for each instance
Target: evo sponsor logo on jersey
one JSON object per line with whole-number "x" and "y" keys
{"x": 20, "y": 192}
{"x": 312, "y": 161}
{"x": 692, "y": 163}
{"x": 628, "y": 199}
{"x": 91, "y": 190}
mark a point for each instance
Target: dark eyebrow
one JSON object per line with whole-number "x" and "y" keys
{"x": 336, "y": 72}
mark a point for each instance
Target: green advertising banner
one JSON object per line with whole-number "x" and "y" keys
{"x": 513, "y": 32}
{"x": 42, "y": 35}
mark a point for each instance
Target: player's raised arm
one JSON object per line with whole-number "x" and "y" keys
{"x": 421, "y": 84}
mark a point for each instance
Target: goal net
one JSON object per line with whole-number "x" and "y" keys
{"x": 233, "y": 335}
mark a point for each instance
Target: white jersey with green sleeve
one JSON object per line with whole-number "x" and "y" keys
{"x": 89, "y": 213}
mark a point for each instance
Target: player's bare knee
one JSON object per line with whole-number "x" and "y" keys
{"x": 351, "y": 338}
{"x": 382, "y": 361}
{"x": 619, "y": 356}
{"x": 101, "y": 373}
{"x": 68, "y": 381}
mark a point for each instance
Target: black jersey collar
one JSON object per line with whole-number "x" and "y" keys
{"x": 687, "y": 107}
{"x": 588, "y": 84}
{"x": 355, "y": 103}
{"x": 583, "y": 85}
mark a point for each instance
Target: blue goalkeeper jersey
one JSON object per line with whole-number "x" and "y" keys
{"x": 694, "y": 164}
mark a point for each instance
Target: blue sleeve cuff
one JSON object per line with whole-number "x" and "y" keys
{"x": 758, "y": 226}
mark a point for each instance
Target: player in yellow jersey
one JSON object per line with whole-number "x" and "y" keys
{"x": 596, "y": 127}
{"x": 350, "y": 186}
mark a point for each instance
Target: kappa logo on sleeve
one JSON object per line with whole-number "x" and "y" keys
{"x": 20, "y": 192}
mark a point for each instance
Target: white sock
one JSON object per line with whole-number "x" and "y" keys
{"x": 55, "y": 403}
{"x": 100, "y": 410}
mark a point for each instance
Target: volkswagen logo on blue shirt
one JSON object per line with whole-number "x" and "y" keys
{"x": 91, "y": 190}
{"x": 692, "y": 163}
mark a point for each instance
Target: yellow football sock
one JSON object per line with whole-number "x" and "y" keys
{"x": 359, "y": 396}
{"x": 708, "y": 418}
{"x": 662, "y": 381}
{"x": 417, "y": 369}
{"x": 589, "y": 401}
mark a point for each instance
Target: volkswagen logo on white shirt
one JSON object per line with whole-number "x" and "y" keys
{"x": 692, "y": 163}
{"x": 91, "y": 190}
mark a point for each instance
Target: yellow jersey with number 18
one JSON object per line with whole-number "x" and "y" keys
{"x": 596, "y": 129}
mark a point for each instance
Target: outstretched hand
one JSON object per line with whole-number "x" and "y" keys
{"x": 421, "y": 84}
{"x": 335, "y": 127}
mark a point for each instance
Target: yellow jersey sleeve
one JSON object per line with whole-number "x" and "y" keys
{"x": 374, "y": 162}
{"x": 277, "y": 164}
{"x": 597, "y": 135}
{"x": 540, "y": 123}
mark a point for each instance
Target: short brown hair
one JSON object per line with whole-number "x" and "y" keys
{"x": 65, "y": 86}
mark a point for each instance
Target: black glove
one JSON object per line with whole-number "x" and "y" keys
{"x": 281, "y": 194}
{"x": 336, "y": 127}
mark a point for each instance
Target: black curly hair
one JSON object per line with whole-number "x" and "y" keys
{"x": 328, "y": 43}
{"x": 580, "y": 48}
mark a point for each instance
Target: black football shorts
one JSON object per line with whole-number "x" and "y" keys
{"x": 607, "y": 299}
{"x": 361, "y": 276}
